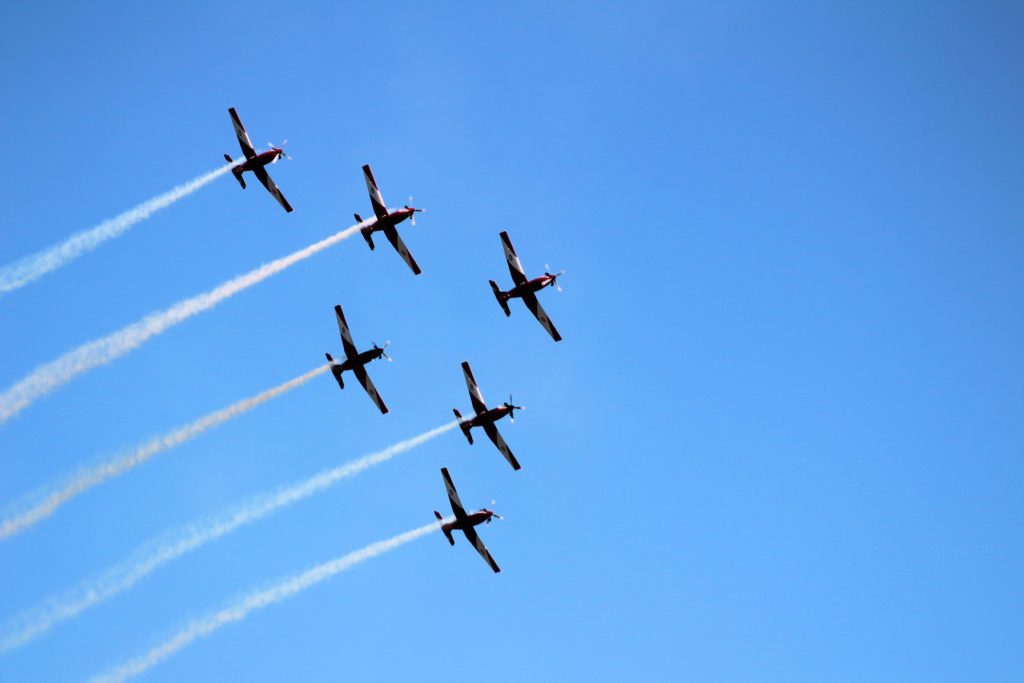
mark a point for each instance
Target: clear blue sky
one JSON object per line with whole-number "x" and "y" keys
{"x": 781, "y": 441}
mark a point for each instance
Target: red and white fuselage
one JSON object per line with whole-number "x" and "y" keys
{"x": 469, "y": 521}
{"x": 488, "y": 417}
{"x": 530, "y": 287}
{"x": 258, "y": 161}
{"x": 393, "y": 218}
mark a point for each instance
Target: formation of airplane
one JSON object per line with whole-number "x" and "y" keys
{"x": 465, "y": 522}
{"x": 355, "y": 361}
{"x": 486, "y": 418}
{"x": 525, "y": 289}
{"x": 386, "y": 221}
{"x": 256, "y": 162}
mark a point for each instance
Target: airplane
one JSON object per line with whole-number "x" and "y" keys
{"x": 466, "y": 522}
{"x": 355, "y": 361}
{"x": 386, "y": 221}
{"x": 524, "y": 289}
{"x": 256, "y": 162}
{"x": 486, "y": 418}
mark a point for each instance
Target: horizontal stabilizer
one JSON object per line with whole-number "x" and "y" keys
{"x": 447, "y": 534}
{"x": 235, "y": 172}
{"x": 501, "y": 300}
{"x": 463, "y": 426}
{"x": 336, "y": 370}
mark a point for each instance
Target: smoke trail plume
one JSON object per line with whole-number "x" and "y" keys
{"x": 171, "y": 546}
{"x": 32, "y": 267}
{"x": 46, "y": 378}
{"x": 257, "y": 599}
{"x": 94, "y": 476}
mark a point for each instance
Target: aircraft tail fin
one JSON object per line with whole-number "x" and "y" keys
{"x": 358, "y": 219}
{"x": 500, "y": 298}
{"x": 463, "y": 426}
{"x": 447, "y": 534}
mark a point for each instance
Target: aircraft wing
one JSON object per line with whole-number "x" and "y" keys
{"x": 379, "y": 208}
{"x": 346, "y": 336}
{"x": 400, "y": 247}
{"x": 453, "y": 495}
{"x": 515, "y": 268}
{"x": 360, "y": 372}
{"x": 531, "y": 302}
{"x": 264, "y": 177}
{"x": 473, "y": 538}
{"x": 243, "y": 138}
{"x": 474, "y": 391}
{"x": 492, "y": 433}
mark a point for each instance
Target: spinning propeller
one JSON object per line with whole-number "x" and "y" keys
{"x": 412, "y": 216}
{"x": 512, "y": 409}
{"x": 273, "y": 146}
{"x": 554, "y": 278}
{"x": 493, "y": 514}
{"x": 381, "y": 349}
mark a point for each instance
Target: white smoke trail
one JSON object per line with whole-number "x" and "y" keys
{"x": 257, "y": 599}
{"x": 171, "y": 546}
{"x": 94, "y": 476}
{"x": 32, "y": 267}
{"x": 47, "y": 377}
